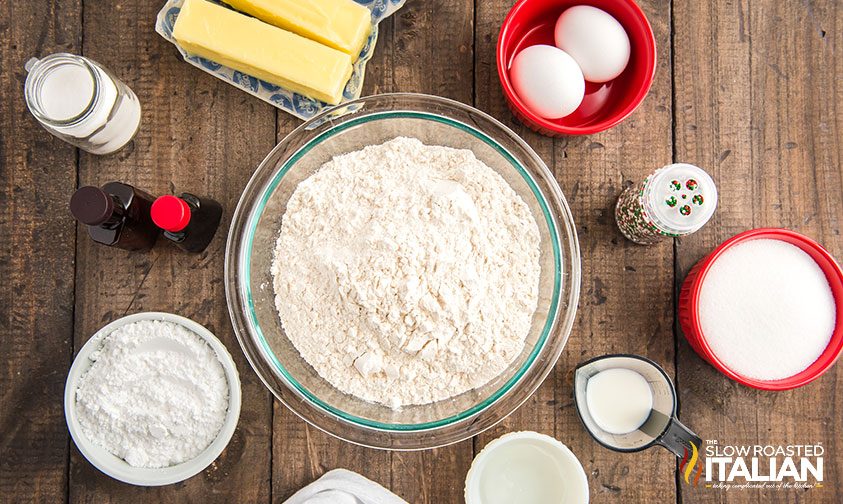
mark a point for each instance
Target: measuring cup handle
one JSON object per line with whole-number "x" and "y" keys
{"x": 678, "y": 439}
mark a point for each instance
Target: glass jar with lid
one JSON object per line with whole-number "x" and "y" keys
{"x": 81, "y": 102}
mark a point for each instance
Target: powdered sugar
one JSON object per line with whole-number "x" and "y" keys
{"x": 406, "y": 274}
{"x": 156, "y": 395}
{"x": 766, "y": 309}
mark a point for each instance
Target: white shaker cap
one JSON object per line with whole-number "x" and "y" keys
{"x": 681, "y": 198}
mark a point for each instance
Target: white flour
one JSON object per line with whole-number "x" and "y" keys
{"x": 156, "y": 395}
{"x": 766, "y": 309}
{"x": 406, "y": 274}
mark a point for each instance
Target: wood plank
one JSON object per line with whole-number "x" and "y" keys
{"x": 538, "y": 413}
{"x": 635, "y": 281}
{"x": 201, "y": 135}
{"x": 433, "y": 51}
{"x": 301, "y": 452}
{"x": 37, "y": 177}
{"x": 758, "y": 104}
{"x": 626, "y": 294}
{"x": 425, "y": 47}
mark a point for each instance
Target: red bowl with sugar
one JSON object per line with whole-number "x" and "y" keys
{"x": 532, "y": 22}
{"x": 689, "y": 313}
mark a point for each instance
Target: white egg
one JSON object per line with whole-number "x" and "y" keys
{"x": 548, "y": 81}
{"x": 596, "y": 41}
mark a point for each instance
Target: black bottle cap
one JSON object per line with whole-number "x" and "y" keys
{"x": 91, "y": 205}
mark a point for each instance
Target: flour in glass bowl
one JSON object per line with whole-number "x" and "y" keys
{"x": 406, "y": 273}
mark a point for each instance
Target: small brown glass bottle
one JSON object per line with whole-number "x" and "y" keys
{"x": 187, "y": 220}
{"x": 117, "y": 215}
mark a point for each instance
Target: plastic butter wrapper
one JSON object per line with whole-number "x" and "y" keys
{"x": 294, "y": 103}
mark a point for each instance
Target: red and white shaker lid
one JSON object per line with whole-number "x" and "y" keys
{"x": 680, "y": 198}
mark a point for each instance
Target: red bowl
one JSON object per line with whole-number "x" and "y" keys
{"x": 689, "y": 319}
{"x": 532, "y": 22}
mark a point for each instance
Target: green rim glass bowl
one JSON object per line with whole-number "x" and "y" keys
{"x": 256, "y": 224}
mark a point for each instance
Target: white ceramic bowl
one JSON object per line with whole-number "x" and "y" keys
{"x": 118, "y": 468}
{"x": 529, "y": 467}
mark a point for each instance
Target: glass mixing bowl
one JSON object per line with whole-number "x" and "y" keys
{"x": 256, "y": 224}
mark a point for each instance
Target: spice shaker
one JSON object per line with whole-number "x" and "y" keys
{"x": 79, "y": 101}
{"x": 187, "y": 220}
{"x": 117, "y": 215}
{"x": 674, "y": 201}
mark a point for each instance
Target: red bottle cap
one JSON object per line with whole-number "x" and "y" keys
{"x": 170, "y": 213}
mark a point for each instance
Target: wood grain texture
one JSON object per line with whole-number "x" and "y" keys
{"x": 425, "y": 47}
{"x": 301, "y": 452}
{"x": 201, "y": 135}
{"x": 433, "y": 47}
{"x": 37, "y": 237}
{"x": 539, "y": 412}
{"x": 626, "y": 297}
{"x": 758, "y": 100}
{"x": 748, "y": 90}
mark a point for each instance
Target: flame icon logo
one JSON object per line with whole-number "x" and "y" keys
{"x": 688, "y": 465}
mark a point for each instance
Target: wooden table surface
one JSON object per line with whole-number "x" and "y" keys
{"x": 749, "y": 90}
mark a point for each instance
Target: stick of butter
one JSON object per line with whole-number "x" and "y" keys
{"x": 341, "y": 24}
{"x": 262, "y": 50}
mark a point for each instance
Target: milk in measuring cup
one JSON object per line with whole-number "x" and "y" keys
{"x": 619, "y": 400}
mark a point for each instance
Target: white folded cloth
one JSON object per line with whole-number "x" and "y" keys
{"x": 342, "y": 486}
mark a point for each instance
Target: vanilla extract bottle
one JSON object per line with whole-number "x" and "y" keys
{"x": 187, "y": 220}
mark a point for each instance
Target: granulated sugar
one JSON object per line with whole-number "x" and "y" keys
{"x": 406, "y": 273}
{"x": 766, "y": 309}
{"x": 156, "y": 394}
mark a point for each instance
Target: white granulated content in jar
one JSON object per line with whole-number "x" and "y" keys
{"x": 156, "y": 394}
{"x": 766, "y": 309}
{"x": 406, "y": 273}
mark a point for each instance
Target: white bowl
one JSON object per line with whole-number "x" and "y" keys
{"x": 118, "y": 468}
{"x": 543, "y": 470}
